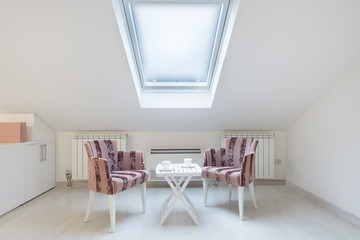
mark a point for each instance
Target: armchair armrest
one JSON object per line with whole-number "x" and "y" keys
{"x": 99, "y": 175}
{"x": 130, "y": 160}
{"x": 215, "y": 157}
{"x": 247, "y": 167}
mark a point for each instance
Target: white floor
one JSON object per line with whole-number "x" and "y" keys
{"x": 282, "y": 214}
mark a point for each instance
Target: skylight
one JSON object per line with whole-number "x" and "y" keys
{"x": 175, "y": 42}
{"x": 175, "y": 46}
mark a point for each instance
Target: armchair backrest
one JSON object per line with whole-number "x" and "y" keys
{"x": 130, "y": 160}
{"x": 103, "y": 149}
{"x": 117, "y": 160}
{"x": 237, "y": 148}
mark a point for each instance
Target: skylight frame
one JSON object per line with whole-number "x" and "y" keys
{"x": 170, "y": 98}
{"x": 175, "y": 86}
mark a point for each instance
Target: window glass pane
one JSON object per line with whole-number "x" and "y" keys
{"x": 175, "y": 40}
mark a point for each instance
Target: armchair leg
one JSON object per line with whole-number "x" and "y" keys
{"x": 229, "y": 186}
{"x": 143, "y": 191}
{"x": 205, "y": 188}
{"x": 241, "y": 201}
{"x": 91, "y": 200}
{"x": 112, "y": 207}
{"x": 252, "y": 192}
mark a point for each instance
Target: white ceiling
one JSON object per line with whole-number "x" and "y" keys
{"x": 64, "y": 61}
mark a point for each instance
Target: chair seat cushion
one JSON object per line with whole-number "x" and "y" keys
{"x": 123, "y": 180}
{"x": 228, "y": 175}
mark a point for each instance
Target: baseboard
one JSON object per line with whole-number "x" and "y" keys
{"x": 199, "y": 183}
{"x": 155, "y": 184}
{"x": 339, "y": 212}
{"x": 269, "y": 182}
{"x": 74, "y": 184}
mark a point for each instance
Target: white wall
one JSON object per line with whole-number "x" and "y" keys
{"x": 63, "y": 154}
{"x": 143, "y": 141}
{"x": 323, "y": 145}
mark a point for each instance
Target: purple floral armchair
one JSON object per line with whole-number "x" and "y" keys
{"x": 112, "y": 171}
{"x": 233, "y": 165}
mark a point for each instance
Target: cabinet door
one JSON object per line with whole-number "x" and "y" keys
{"x": 12, "y": 178}
{"x": 48, "y": 166}
{"x": 33, "y": 170}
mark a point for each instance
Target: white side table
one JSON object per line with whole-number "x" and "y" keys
{"x": 175, "y": 177}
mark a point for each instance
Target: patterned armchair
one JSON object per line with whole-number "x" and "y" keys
{"x": 112, "y": 171}
{"x": 233, "y": 165}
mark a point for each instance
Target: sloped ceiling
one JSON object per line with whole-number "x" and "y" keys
{"x": 64, "y": 61}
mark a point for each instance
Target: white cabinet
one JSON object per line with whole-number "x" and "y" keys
{"x": 33, "y": 171}
{"x": 40, "y": 168}
{"x": 48, "y": 167}
{"x": 26, "y": 169}
{"x": 12, "y": 177}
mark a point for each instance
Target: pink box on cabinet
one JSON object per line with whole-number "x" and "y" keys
{"x": 12, "y": 132}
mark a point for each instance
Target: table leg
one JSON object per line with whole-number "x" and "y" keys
{"x": 166, "y": 207}
{"x": 178, "y": 192}
{"x": 187, "y": 203}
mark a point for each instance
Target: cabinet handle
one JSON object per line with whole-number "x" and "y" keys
{"x": 44, "y": 155}
{"x": 41, "y": 152}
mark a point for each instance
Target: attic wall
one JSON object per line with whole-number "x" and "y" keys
{"x": 323, "y": 145}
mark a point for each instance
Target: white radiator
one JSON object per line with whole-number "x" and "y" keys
{"x": 155, "y": 156}
{"x": 264, "y": 156}
{"x": 79, "y": 156}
